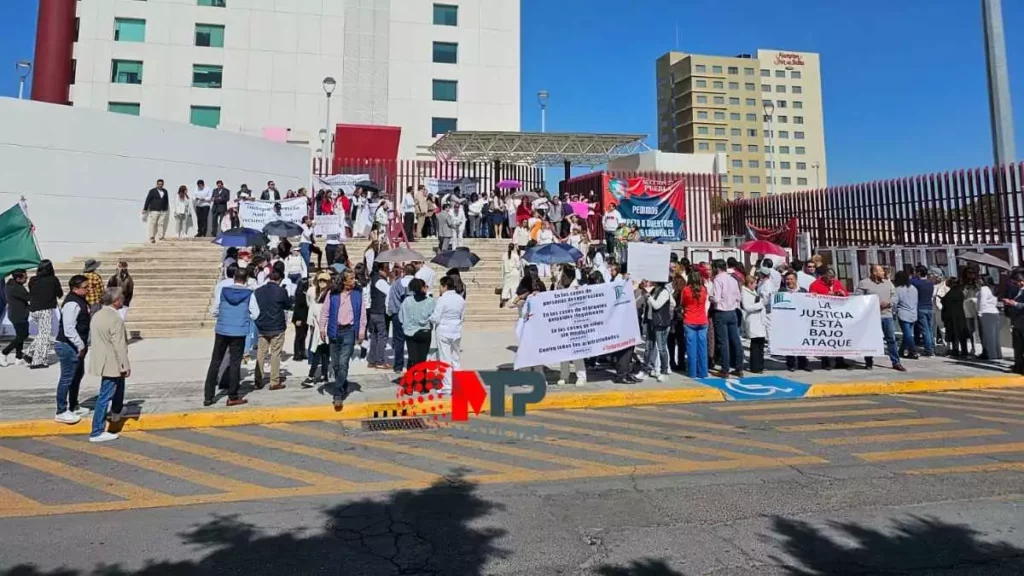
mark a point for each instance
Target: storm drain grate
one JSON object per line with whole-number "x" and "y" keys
{"x": 393, "y": 424}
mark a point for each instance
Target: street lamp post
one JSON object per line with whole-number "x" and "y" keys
{"x": 769, "y": 112}
{"x": 322, "y": 151}
{"x": 329, "y": 85}
{"x": 542, "y": 99}
{"x": 24, "y": 67}
{"x": 817, "y": 181}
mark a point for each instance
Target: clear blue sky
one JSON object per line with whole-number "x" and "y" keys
{"x": 903, "y": 80}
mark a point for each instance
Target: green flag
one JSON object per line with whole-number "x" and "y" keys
{"x": 17, "y": 243}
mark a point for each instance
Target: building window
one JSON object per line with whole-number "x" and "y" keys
{"x": 794, "y": 74}
{"x": 798, "y": 119}
{"x": 208, "y": 116}
{"x": 780, "y": 89}
{"x": 737, "y": 195}
{"x": 780, "y": 73}
{"x": 749, "y": 86}
{"x": 755, "y": 195}
{"x": 210, "y": 35}
{"x": 787, "y": 181}
{"x": 752, "y": 148}
{"x": 769, "y": 164}
{"x": 735, "y": 116}
{"x": 126, "y": 72}
{"x": 781, "y": 103}
{"x": 751, "y": 101}
{"x": 767, "y": 134}
{"x": 800, "y": 150}
{"x": 782, "y": 119}
{"x": 215, "y": 4}
{"x": 766, "y": 88}
{"x": 801, "y": 181}
{"x": 703, "y": 146}
{"x": 734, "y": 85}
{"x": 129, "y": 108}
{"x": 798, "y": 104}
{"x": 446, "y": 15}
{"x": 446, "y": 52}
{"x": 701, "y": 83}
{"x": 753, "y": 164}
{"x": 702, "y": 99}
{"x": 703, "y": 130}
{"x": 766, "y": 73}
{"x": 736, "y": 131}
{"x": 783, "y": 149}
{"x": 784, "y": 165}
{"x": 719, "y": 146}
{"x": 719, "y": 100}
{"x": 748, "y": 71}
{"x": 736, "y": 147}
{"x": 701, "y": 68}
{"x": 734, "y": 101}
{"x": 207, "y": 76}
{"x": 720, "y": 131}
{"x": 719, "y": 115}
{"x": 798, "y": 90}
{"x": 702, "y": 114}
{"x": 446, "y": 90}
{"x": 784, "y": 134}
{"x": 734, "y": 70}
{"x": 751, "y": 117}
{"x": 439, "y": 126}
{"x": 718, "y": 85}
{"x": 737, "y": 179}
{"x": 716, "y": 69}
{"x": 752, "y": 133}
{"x": 129, "y": 30}
{"x": 737, "y": 163}
{"x": 798, "y": 135}
{"x": 755, "y": 179}
{"x": 801, "y": 165}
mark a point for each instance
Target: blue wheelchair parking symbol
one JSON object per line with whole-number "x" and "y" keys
{"x": 758, "y": 388}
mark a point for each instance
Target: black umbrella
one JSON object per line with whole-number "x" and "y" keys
{"x": 460, "y": 258}
{"x": 368, "y": 185}
{"x": 240, "y": 237}
{"x": 282, "y": 229}
{"x": 400, "y": 254}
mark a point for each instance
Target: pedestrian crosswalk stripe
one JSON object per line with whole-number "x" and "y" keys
{"x": 836, "y": 414}
{"x": 996, "y": 467}
{"x": 662, "y": 409}
{"x": 898, "y": 423}
{"x": 982, "y": 395}
{"x": 808, "y": 404}
{"x": 668, "y": 420}
{"x": 998, "y": 419}
{"x": 78, "y": 475}
{"x": 954, "y": 404}
{"x": 391, "y": 446}
{"x": 326, "y": 455}
{"x": 617, "y": 417}
{"x": 282, "y": 470}
{"x": 958, "y": 402}
{"x": 192, "y": 475}
{"x": 532, "y": 454}
{"x": 908, "y": 437}
{"x": 919, "y": 453}
{"x": 1007, "y": 391}
{"x": 10, "y": 499}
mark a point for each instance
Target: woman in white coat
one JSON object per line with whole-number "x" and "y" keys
{"x": 182, "y": 208}
{"x": 511, "y": 274}
{"x": 755, "y": 323}
{"x": 319, "y": 352}
{"x": 459, "y": 224}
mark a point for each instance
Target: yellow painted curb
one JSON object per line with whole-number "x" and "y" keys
{"x": 912, "y": 386}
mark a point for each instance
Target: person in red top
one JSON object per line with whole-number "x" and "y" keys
{"x": 827, "y": 285}
{"x": 694, "y": 300}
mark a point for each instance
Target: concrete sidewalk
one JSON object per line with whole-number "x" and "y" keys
{"x": 168, "y": 374}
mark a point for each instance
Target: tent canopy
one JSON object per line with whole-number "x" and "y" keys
{"x": 546, "y": 148}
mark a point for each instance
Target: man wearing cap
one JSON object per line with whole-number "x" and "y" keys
{"x": 123, "y": 280}
{"x": 94, "y": 284}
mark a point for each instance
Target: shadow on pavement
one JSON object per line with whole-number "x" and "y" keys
{"x": 913, "y": 545}
{"x": 645, "y": 567}
{"x": 424, "y": 532}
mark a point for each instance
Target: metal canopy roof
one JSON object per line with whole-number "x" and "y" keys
{"x": 537, "y": 148}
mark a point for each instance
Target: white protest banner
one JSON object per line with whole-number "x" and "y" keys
{"x": 255, "y": 214}
{"x": 467, "y": 186}
{"x": 577, "y": 323}
{"x": 328, "y": 224}
{"x": 648, "y": 261}
{"x": 813, "y": 325}
{"x": 344, "y": 182}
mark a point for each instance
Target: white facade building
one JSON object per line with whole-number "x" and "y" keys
{"x": 257, "y": 66}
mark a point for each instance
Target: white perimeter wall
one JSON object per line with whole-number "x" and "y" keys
{"x": 85, "y": 173}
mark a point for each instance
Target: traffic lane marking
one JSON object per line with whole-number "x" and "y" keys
{"x": 934, "y": 403}
{"x": 774, "y": 405}
{"x": 920, "y": 453}
{"x": 672, "y": 421}
{"x": 11, "y": 500}
{"x": 865, "y": 424}
{"x": 997, "y": 419}
{"x": 522, "y": 453}
{"x": 970, "y": 469}
{"x": 836, "y": 414}
{"x": 626, "y": 421}
{"x": 946, "y": 399}
{"x": 668, "y": 408}
{"x": 908, "y": 437}
{"x": 984, "y": 395}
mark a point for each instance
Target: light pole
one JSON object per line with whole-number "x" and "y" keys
{"x": 322, "y": 151}
{"x": 769, "y": 112}
{"x": 542, "y": 99}
{"x": 817, "y": 181}
{"x": 328, "y": 143}
{"x": 24, "y": 67}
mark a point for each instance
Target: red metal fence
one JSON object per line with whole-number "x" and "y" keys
{"x": 395, "y": 175}
{"x": 965, "y": 207}
{"x": 702, "y": 194}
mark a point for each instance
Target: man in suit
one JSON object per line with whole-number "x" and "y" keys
{"x": 445, "y": 228}
{"x": 109, "y": 362}
{"x": 155, "y": 210}
{"x": 271, "y": 193}
{"x": 219, "y": 199}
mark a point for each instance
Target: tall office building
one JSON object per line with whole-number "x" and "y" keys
{"x": 721, "y": 104}
{"x": 257, "y": 66}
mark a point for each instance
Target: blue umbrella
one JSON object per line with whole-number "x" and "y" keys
{"x": 240, "y": 237}
{"x": 552, "y": 254}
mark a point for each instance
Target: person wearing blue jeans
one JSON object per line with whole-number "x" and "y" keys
{"x": 697, "y": 347}
{"x": 888, "y": 300}
{"x": 72, "y": 346}
{"x": 343, "y": 323}
{"x": 925, "y": 320}
{"x": 109, "y": 362}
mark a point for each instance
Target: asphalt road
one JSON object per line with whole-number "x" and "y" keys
{"x": 922, "y": 484}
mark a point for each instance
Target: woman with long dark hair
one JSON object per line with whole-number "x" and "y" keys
{"x": 906, "y": 313}
{"x": 320, "y": 351}
{"x": 989, "y": 320}
{"x": 954, "y": 318}
{"x": 511, "y": 274}
{"x": 414, "y": 316}
{"x": 695, "y": 324}
{"x": 44, "y": 291}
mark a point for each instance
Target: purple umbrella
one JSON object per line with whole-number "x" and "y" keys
{"x": 509, "y": 184}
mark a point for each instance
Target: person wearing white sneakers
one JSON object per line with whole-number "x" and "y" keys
{"x": 109, "y": 361}
{"x": 659, "y": 303}
{"x": 72, "y": 346}
{"x": 567, "y": 280}
{"x": 17, "y": 312}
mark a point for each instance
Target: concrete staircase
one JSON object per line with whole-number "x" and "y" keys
{"x": 174, "y": 282}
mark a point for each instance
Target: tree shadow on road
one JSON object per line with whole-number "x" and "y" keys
{"x": 913, "y": 545}
{"x": 420, "y": 533}
{"x": 646, "y": 567}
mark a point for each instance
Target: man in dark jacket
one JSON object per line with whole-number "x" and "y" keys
{"x": 273, "y": 301}
{"x": 17, "y": 299}
{"x": 72, "y": 346}
{"x": 271, "y": 193}
{"x": 1016, "y": 307}
{"x": 155, "y": 210}
{"x": 123, "y": 280}
{"x": 219, "y": 199}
